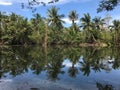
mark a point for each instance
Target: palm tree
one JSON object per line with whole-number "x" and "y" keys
{"x": 86, "y": 21}
{"x": 38, "y": 20}
{"x": 98, "y": 22}
{"x": 87, "y": 25}
{"x": 54, "y": 19}
{"x": 73, "y": 16}
{"x": 38, "y": 27}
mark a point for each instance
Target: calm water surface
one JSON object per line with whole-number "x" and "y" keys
{"x": 59, "y": 68}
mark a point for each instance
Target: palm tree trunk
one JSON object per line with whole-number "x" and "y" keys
{"x": 116, "y": 37}
{"x": 46, "y": 35}
{"x": 45, "y": 43}
{"x": 73, "y": 25}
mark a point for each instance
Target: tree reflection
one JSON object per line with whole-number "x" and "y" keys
{"x": 86, "y": 61}
{"x": 17, "y": 60}
{"x": 73, "y": 56}
{"x": 38, "y": 60}
{"x": 85, "y": 67}
{"x": 116, "y": 63}
{"x": 96, "y": 66}
{"x": 101, "y": 86}
{"x": 54, "y": 65}
{"x": 73, "y": 71}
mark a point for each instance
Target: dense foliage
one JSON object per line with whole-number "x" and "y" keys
{"x": 108, "y": 5}
{"x": 17, "y": 30}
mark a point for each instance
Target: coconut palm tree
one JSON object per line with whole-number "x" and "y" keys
{"x": 87, "y": 25}
{"x": 98, "y": 22}
{"x": 54, "y": 19}
{"x": 55, "y": 22}
{"x": 86, "y": 21}
{"x": 73, "y": 16}
{"x": 38, "y": 27}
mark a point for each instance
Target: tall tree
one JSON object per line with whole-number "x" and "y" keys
{"x": 98, "y": 22}
{"x": 54, "y": 19}
{"x": 38, "y": 29}
{"x": 55, "y": 22}
{"x": 73, "y": 16}
{"x": 88, "y": 26}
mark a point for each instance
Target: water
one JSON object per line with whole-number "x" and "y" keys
{"x": 59, "y": 68}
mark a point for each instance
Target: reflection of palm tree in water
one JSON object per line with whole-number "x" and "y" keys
{"x": 116, "y": 63}
{"x": 74, "y": 58}
{"x": 85, "y": 67}
{"x": 101, "y": 86}
{"x": 54, "y": 65}
{"x": 53, "y": 69}
{"x": 73, "y": 70}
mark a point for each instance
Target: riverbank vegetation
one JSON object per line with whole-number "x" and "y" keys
{"x": 18, "y": 30}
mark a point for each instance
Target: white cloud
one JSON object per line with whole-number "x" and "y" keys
{"x": 67, "y": 21}
{"x": 68, "y": 1}
{"x": 11, "y": 2}
{"x": 67, "y": 63}
{"x": 117, "y": 17}
{"x": 4, "y": 2}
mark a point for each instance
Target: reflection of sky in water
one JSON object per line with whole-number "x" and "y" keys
{"x": 80, "y": 82}
{"x": 89, "y": 83}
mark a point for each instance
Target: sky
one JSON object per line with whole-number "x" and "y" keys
{"x": 81, "y": 6}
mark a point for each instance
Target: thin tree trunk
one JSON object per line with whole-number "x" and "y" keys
{"x": 73, "y": 25}
{"x": 46, "y": 43}
{"x": 93, "y": 38}
{"x": 46, "y": 36}
{"x": 116, "y": 37}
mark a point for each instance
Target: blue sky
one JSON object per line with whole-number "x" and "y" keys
{"x": 81, "y": 6}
